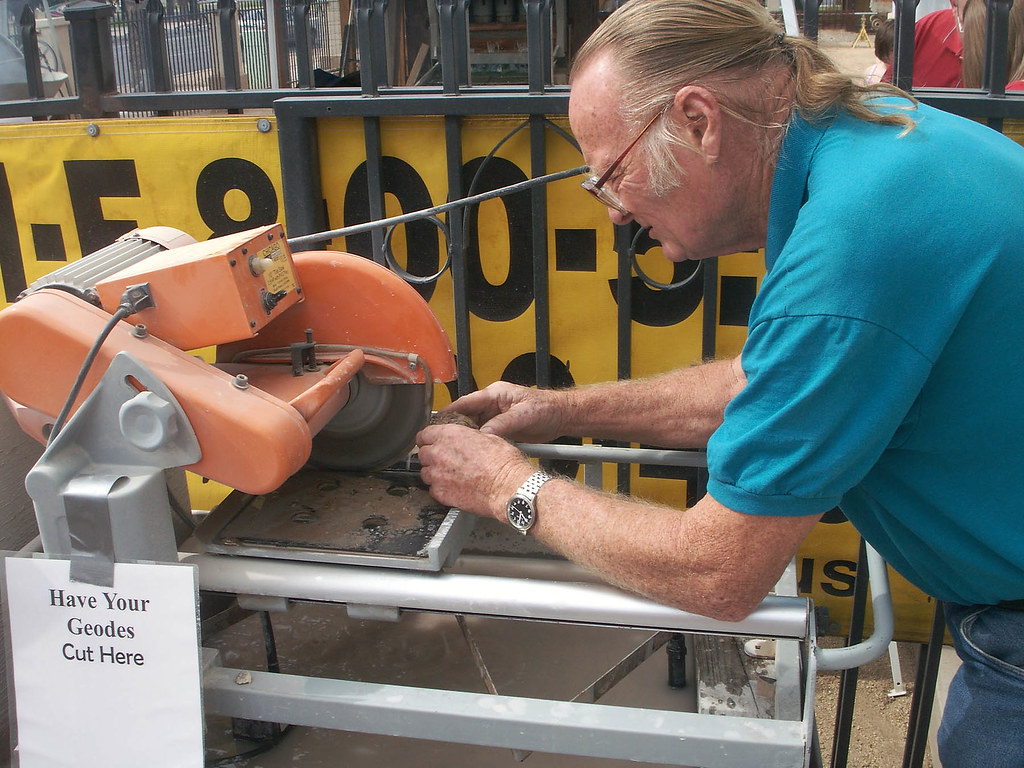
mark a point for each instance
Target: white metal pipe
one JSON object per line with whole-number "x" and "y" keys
{"x": 482, "y": 595}
{"x": 881, "y": 636}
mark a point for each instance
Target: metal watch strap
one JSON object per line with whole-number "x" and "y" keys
{"x": 532, "y": 485}
{"x": 521, "y": 509}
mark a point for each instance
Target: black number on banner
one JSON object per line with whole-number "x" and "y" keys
{"x": 220, "y": 177}
{"x": 12, "y": 268}
{"x": 514, "y": 296}
{"x": 88, "y": 182}
{"x": 400, "y": 179}
{"x": 659, "y": 308}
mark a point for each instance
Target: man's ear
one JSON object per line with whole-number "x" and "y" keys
{"x": 698, "y": 114}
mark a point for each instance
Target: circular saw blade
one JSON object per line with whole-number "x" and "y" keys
{"x": 376, "y": 428}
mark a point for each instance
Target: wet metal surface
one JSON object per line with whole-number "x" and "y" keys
{"x": 326, "y": 515}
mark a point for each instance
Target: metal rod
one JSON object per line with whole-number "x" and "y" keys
{"x": 30, "y": 49}
{"x": 472, "y": 594}
{"x": 413, "y": 216}
{"x": 861, "y": 653}
{"x": 924, "y": 692}
{"x": 903, "y": 51}
{"x": 625, "y": 733}
{"x": 539, "y": 248}
{"x": 615, "y": 455}
{"x": 848, "y": 682}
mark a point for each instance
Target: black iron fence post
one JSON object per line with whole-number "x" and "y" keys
{"x": 995, "y": 73}
{"x": 159, "y": 70}
{"x": 538, "y": 49}
{"x": 368, "y": 77}
{"x": 303, "y": 43}
{"x": 903, "y": 58}
{"x": 92, "y": 51}
{"x": 928, "y": 658}
{"x": 300, "y": 176}
{"x": 447, "y": 49}
{"x": 30, "y": 47}
{"x": 811, "y": 19}
{"x": 227, "y": 15}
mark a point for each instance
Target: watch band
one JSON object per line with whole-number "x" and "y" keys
{"x": 532, "y": 485}
{"x": 520, "y": 508}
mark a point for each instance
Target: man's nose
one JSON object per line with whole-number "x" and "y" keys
{"x": 618, "y": 217}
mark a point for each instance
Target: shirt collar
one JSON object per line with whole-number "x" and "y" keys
{"x": 789, "y": 185}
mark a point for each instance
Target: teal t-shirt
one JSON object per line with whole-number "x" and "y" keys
{"x": 885, "y": 355}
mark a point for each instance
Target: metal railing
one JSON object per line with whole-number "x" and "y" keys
{"x": 216, "y": 57}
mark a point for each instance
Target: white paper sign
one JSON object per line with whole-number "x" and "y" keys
{"x": 105, "y": 676}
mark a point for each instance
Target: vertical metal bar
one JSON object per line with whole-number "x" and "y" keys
{"x": 924, "y": 692}
{"x": 159, "y": 72}
{"x": 457, "y": 250}
{"x": 624, "y": 321}
{"x": 30, "y": 48}
{"x": 811, "y": 19}
{"x": 624, "y": 302}
{"x": 278, "y": 59}
{"x": 461, "y": 42}
{"x": 303, "y": 44}
{"x": 227, "y": 15}
{"x": 379, "y": 51}
{"x": 709, "y": 328}
{"x": 446, "y": 27}
{"x": 997, "y": 33}
{"x": 300, "y": 176}
{"x": 374, "y": 182}
{"x": 903, "y": 50}
{"x": 368, "y": 76}
{"x": 93, "y": 52}
{"x": 541, "y": 294}
{"x": 898, "y": 689}
{"x": 848, "y": 678}
{"x": 709, "y": 338}
{"x": 997, "y": 21}
{"x": 538, "y": 44}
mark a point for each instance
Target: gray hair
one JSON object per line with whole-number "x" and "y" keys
{"x": 659, "y": 46}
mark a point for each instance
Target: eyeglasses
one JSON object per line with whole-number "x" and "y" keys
{"x": 595, "y": 184}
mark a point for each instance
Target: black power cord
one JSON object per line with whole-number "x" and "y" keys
{"x": 135, "y": 298}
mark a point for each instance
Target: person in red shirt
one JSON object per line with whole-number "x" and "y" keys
{"x": 938, "y": 49}
{"x": 974, "y": 30}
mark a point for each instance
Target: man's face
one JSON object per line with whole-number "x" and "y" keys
{"x": 693, "y": 219}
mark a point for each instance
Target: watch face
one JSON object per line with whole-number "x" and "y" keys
{"x": 520, "y": 513}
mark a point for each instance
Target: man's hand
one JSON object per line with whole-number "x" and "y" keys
{"x": 469, "y": 470}
{"x": 518, "y": 413}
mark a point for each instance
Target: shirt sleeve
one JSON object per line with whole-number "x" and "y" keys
{"x": 825, "y": 396}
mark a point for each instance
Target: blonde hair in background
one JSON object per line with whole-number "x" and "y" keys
{"x": 975, "y": 23}
{"x": 729, "y": 47}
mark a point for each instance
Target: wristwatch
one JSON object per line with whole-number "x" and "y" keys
{"x": 521, "y": 510}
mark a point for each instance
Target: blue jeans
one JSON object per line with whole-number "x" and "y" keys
{"x": 983, "y": 722}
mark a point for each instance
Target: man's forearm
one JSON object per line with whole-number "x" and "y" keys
{"x": 707, "y": 559}
{"x": 679, "y": 409}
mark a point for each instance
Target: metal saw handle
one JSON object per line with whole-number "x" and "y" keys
{"x": 312, "y": 401}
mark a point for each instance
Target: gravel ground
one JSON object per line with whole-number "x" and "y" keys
{"x": 879, "y": 730}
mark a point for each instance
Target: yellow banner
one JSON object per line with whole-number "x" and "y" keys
{"x": 71, "y": 188}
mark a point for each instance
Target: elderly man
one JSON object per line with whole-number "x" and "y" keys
{"x": 881, "y": 372}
